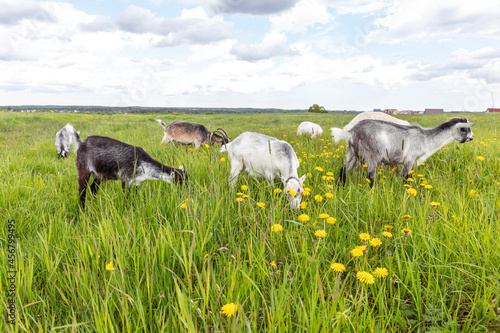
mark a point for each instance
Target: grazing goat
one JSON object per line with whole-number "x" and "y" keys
{"x": 189, "y": 133}
{"x": 109, "y": 159}
{"x": 262, "y": 156}
{"x": 66, "y": 137}
{"x": 379, "y": 142}
{"x": 375, "y": 116}
{"x": 309, "y": 128}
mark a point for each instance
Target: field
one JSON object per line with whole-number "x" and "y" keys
{"x": 169, "y": 259}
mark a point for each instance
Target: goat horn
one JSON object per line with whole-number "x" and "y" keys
{"x": 227, "y": 136}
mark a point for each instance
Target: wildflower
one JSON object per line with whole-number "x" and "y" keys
{"x": 480, "y": 158}
{"x": 428, "y": 186}
{"x": 206, "y": 255}
{"x": 411, "y": 191}
{"x": 277, "y": 190}
{"x": 273, "y": 264}
{"x": 406, "y": 231}
{"x": 368, "y": 180}
{"x": 331, "y": 220}
{"x": 387, "y": 234}
{"x": 411, "y": 171}
{"x": 406, "y": 185}
{"x": 307, "y": 189}
{"x": 361, "y": 247}
{"x": 223, "y": 159}
{"x": 329, "y": 195}
{"x": 276, "y": 227}
{"x": 337, "y": 267}
{"x": 409, "y": 179}
{"x": 318, "y": 198}
{"x": 184, "y": 205}
{"x": 320, "y": 233}
{"x": 110, "y": 266}
{"x": 390, "y": 227}
{"x": 240, "y": 199}
{"x": 406, "y": 217}
{"x": 365, "y": 166}
{"x": 473, "y": 194}
{"x": 375, "y": 242}
{"x": 356, "y": 252}
{"x": 329, "y": 173}
{"x": 303, "y": 205}
{"x": 300, "y": 160}
{"x": 261, "y": 204}
{"x": 364, "y": 236}
{"x": 244, "y": 187}
{"x": 206, "y": 145}
{"x": 229, "y": 309}
{"x": 324, "y": 216}
{"x": 291, "y": 192}
{"x": 309, "y": 175}
{"x": 365, "y": 277}
{"x": 239, "y": 193}
{"x": 320, "y": 169}
{"x": 380, "y": 272}
{"x": 434, "y": 204}
{"x": 306, "y": 193}
{"x": 304, "y": 218}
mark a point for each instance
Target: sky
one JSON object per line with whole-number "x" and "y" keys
{"x": 290, "y": 54}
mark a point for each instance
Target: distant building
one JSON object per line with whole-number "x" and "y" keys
{"x": 493, "y": 110}
{"x": 433, "y": 111}
{"x": 377, "y": 110}
{"x": 407, "y": 112}
{"x": 389, "y": 111}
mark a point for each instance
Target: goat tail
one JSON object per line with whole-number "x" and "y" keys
{"x": 224, "y": 147}
{"x": 162, "y": 123}
{"x": 339, "y": 134}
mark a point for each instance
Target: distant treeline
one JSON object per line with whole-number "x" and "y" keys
{"x": 140, "y": 110}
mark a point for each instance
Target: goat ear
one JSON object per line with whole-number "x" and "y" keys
{"x": 181, "y": 167}
{"x": 302, "y": 179}
{"x": 465, "y": 125}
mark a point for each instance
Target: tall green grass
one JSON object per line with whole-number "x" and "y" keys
{"x": 175, "y": 268}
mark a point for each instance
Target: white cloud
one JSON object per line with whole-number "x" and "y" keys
{"x": 306, "y": 13}
{"x": 256, "y": 7}
{"x": 273, "y": 45}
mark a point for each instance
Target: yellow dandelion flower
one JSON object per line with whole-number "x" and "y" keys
{"x": 406, "y": 217}
{"x": 365, "y": 277}
{"x": 277, "y": 190}
{"x": 411, "y": 191}
{"x": 320, "y": 169}
{"x": 239, "y": 193}
{"x": 406, "y": 185}
{"x": 331, "y": 220}
{"x": 427, "y": 186}
{"x": 361, "y": 247}
{"x": 387, "y": 234}
{"x": 406, "y": 231}
{"x": 356, "y": 252}
{"x": 365, "y": 166}
{"x": 291, "y": 192}
{"x": 261, "y": 204}
{"x": 411, "y": 171}
{"x": 337, "y": 267}
{"x": 329, "y": 173}
{"x": 300, "y": 160}
{"x": 304, "y": 218}
{"x": 184, "y": 205}
{"x": 409, "y": 179}
{"x": 229, "y": 309}
{"x": 375, "y": 242}
{"x": 303, "y": 205}
{"x": 364, "y": 236}
{"x": 110, "y": 266}
{"x": 320, "y": 233}
{"x": 480, "y": 158}
{"x": 244, "y": 187}
{"x": 276, "y": 227}
{"x": 307, "y": 189}
{"x": 390, "y": 227}
{"x": 473, "y": 194}
{"x": 329, "y": 195}
{"x": 306, "y": 193}
{"x": 380, "y": 272}
{"x": 434, "y": 204}
{"x": 324, "y": 216}
{"x": 318, "y": 198}
{"x": 309, "y": 175}
{"x": 273, "y": 264}
{"x": 240, "y": 199}
{"x": 223, "y": 159}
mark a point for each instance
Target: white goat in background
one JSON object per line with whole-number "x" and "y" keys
{"x": 310, "y": 129}
{"x": 66, "y": 137}
{"x": 262, "y": 156}
{"x": 379, "y": 142}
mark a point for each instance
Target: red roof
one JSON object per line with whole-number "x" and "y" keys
{"x": 493, "y": 110}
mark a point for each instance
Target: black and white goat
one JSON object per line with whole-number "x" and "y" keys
{"x": 379, "y": 142}
{"x": 65, "y": 138}
{"x": 262, "y": 156}
{"x": 189, "y": 133}
{"x": 109, "y": 159}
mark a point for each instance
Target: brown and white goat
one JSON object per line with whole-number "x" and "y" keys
{"x": 109, "y": 159}
{"x": 189, "y": 133}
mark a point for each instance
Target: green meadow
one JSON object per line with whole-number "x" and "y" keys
{"x": 210, "y": 258}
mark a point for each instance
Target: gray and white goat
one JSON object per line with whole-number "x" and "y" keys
{"x": 374, "y": 116}
{"x": 65, "y": 138}
{"x": 189, "y": 133}
{"x": 109, "y": 159}
{"x": 309, "y": 128}
{"x": 379, "y": 142}
{"x": 262, "y": 156}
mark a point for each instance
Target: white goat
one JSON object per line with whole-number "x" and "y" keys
{"x": 66, "y": 137}
{"x": 372, "y": 115}
{"x": 309, "y": 128}
{"x": 262, "y": 156}
{"x": 379, "y": 142}
{"x": 109, "y": 159}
